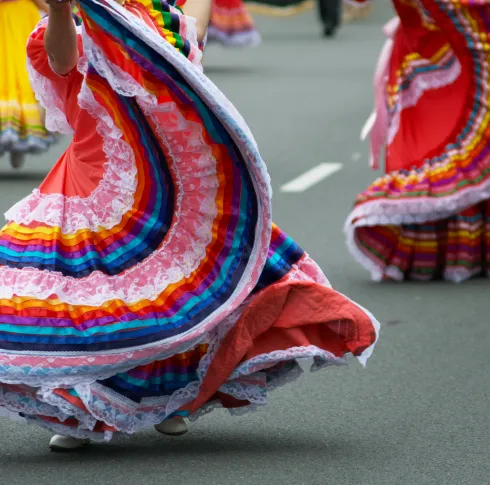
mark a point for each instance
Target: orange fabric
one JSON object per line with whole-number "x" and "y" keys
{"x": 286, "y": 315}
{"x": 79, "y": 170}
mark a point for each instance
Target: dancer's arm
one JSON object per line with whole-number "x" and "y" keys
{"x": 201, "y": 11}
{"x": 60, "y": 40}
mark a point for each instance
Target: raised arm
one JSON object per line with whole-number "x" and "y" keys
{"x": 60, "y": 40}
{"x": 201, "y": 11}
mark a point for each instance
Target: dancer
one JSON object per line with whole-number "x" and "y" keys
{"x": 144, "y": 282}
{"x": 21, "y": 119}
{"x": 429, "y": 216}
{"x": 232, "y": 25}
{"x": 357, "y": 9}
{"x": 329, "y": 11}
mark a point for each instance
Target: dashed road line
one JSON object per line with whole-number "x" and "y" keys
{"x": 312, "y": 177}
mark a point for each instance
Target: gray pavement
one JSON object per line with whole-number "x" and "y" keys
{"x": 418, "y": 414}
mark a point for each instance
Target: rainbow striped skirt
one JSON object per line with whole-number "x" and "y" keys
{"x": 232, "y": 25}
{"x": 165, "y": 289}
{"x": 428, "y": 217}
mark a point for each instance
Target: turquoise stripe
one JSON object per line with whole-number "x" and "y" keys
{"x": 94, "y": 255}
{"x": 279, "y": 251}
{"x": 209, "y": 293}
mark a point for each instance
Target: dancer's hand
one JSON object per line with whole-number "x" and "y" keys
{"x": 58, "y": 4}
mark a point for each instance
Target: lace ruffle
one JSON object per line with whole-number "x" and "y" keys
{"x": 185, "y": 245}
{"x": 134, "y": 284}
{"x": 385, "y": 212}
{"x": 246, "y": 38}
{"x": 128, "y": 417}
{"x": 106, "y": 205}
{"x": 250, "y": 381}
{"x": 61, "y": 429}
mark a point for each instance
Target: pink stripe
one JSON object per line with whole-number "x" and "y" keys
{"x": 380, "y": 127}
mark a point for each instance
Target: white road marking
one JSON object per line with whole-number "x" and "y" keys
{"x": 311, "y": 177}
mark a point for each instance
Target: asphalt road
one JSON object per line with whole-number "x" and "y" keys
{"x": 418, "y": 414}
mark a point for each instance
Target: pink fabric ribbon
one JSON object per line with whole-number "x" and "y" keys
{"x": 377, "y": 125}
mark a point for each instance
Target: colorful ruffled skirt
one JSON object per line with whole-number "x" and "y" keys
{"x": 429, "y": 216}
{"x": 279, "y": 7}
{"x": 166, "y": 290}
{"x": 232, "y": 25}
{"x": 21, "y": 119}
{"x": 357, "y": 9}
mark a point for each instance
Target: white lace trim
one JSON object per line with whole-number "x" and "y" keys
{"x": 114, "y": 195}
{"x": 66, "y": 409}
{"x": 249, "y": 38}
{"x": 11, "y": 142}
{"x": 63, "y": 430}
{"x": 250, "y": 381}
{"x": 106, "y": 205}
{"x": 20, "y": 400}
{"x": 413, "y": 211}
{"x": 129, "y": 417}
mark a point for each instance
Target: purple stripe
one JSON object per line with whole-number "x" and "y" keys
{"x": 181, "y": 370}
{"x": 56, "y": 322}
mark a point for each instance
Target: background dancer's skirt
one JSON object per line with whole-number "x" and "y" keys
{"x": 21, "y": 119}
{"x": 155, "y": 283}
{"x": 429, "y": 216}
{"x": 357, "y": 9}
{"x": 279, "y": 7}
{"x": 232, "y": 25}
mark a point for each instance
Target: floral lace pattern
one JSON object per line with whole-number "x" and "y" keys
{"x": 106, "y": 205}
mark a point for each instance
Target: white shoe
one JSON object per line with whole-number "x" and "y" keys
{"x": 66, "y": 443}
{"x": 172, "y": 427}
